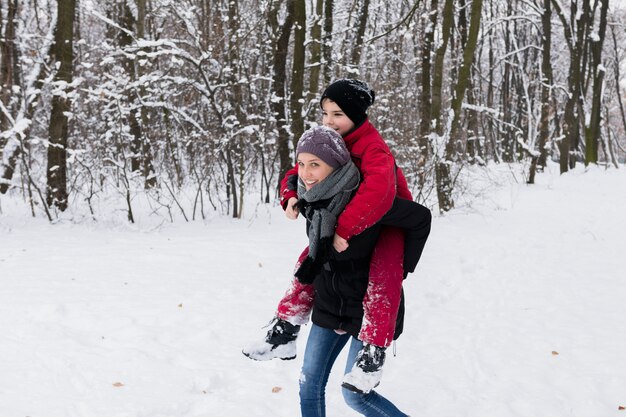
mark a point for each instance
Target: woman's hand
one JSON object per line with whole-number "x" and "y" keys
{"x": 339, "y": 243}
{"x": 291, "y": 211}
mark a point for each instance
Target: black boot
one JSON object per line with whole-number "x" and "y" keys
{"x": 367, "y": 370}
{"x": 280, "y": 342}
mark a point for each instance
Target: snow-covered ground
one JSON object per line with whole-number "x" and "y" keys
{"x": 516, "y": 311}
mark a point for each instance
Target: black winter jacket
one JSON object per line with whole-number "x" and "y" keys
{"x": 342, "y": 283}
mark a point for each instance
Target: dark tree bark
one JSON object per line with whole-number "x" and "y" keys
{"x": 446, "y": 33}
{"x": 316, "y": 54}
{"x": 56, "y": 193}
{"x": 571, "y": 122}
{"x": 146, "y": 149}
{"x": 618, "y": 78}
{"x": 539, "y": 162}
{"x": 278, "y": 89}
{"x": 327, "y": 45}
{"x": 127, "y": 21}
{"x": 425, "y": 102}
{"x": 443, "y": 171}
{"x": 357, "y": 48}
{"x": 7, "y": 54}
{"x": 297, "y": 72}
{"x": 593, "y": 132}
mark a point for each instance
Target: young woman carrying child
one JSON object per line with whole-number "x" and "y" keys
{"x": 327, "y": 182}
{"x": 373, "y": 317}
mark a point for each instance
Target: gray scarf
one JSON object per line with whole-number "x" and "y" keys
{"x": 321, "y": 205}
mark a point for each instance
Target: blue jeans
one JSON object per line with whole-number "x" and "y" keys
{"x": 322, "y": 348}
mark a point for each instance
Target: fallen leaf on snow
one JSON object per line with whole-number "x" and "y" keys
{"x": 555, "y": 353}
{"x": 118, "y": 384}
{"x": 276, "y": 389}
{"x": 621, "y": 408}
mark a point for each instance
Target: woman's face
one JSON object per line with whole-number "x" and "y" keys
{"x": 335, "y": 118}
{"x": 312, "y": 170}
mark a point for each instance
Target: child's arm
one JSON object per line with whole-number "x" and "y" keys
{"x": 374, "y": 196}
{"x": 289, "y": 193}
{"x": 289, "y": 186}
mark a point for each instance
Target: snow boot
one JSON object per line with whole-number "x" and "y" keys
{"x": 280, "y": 342}
{"x": 367, "y": 370}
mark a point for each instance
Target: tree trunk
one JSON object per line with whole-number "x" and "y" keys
{"x": 571, "y": 122}
{"x": 297, "y": 73}
{"x": 505, "y": 130}
{"x": 278, "y": 89}
{"x": 540, "y": 162}
{"x": 593, "y": 132}
{"x": 234, "y": 150}
{"x": 146, "y": 148}
{"x": 464, "y": 79}
{"x": 357, "y": 48}
{"x": 316, "y": 56}
{"x": 7, "y": 48}
{"x": 491, "y": 141}
{"x": 28, "y": 99}
{"x": 444, "y": 180}
{"x": 618, "y": 78}
{"x": 327, "y": 45}
{"x": 425, "y": 101}
{"x": 125, "y": 40}
{"x": 446, "y": 32}
{"x": 61, "y": 106}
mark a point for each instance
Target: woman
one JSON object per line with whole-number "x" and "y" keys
{"x": 327, "y": 181}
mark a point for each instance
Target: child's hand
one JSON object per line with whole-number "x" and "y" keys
{"x": 292, "y": 212}
{"x": 339, "y": 243}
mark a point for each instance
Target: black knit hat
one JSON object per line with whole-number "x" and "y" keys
{"x": 326, "y": 144}
{"x": 352, "y": 96}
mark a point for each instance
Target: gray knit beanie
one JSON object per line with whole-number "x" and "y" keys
{"x": 326, "y": 144}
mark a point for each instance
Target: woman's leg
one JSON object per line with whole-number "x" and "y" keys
{"x": 322, "y": 349}
{"x": 372, "y": 404}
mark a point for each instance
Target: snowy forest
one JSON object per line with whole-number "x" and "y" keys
{"x": 194, "y": 106}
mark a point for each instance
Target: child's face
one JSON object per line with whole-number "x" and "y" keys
{"x": 335, "y": 118}
{"x": 312, "y": 170}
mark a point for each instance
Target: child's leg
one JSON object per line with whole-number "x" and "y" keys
{"x": 295, "y": 306}
{"x": 381, "y": 302}
{"x": 371, "y": 404}
{"x": 322, "y": 349}
{"x": 295, "y": 309}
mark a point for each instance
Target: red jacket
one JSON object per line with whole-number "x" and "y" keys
{"x": 381, "y": 181}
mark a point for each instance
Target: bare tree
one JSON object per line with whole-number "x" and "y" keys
{"x": 592, "y": 130}
{"x": 539, "y": 161}
{"x": 281, "y": 50}
{"x": 443, "y": 171}
{"x": 438, "y": 70}
{"x": 425, "y": 100}
{"x": 56, "y": 194}
{"x": 297, "y": 73}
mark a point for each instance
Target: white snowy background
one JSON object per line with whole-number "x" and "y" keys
{"x": 518, "y": 308}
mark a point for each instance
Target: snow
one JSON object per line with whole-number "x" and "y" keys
{"x": 516, "y": 309}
